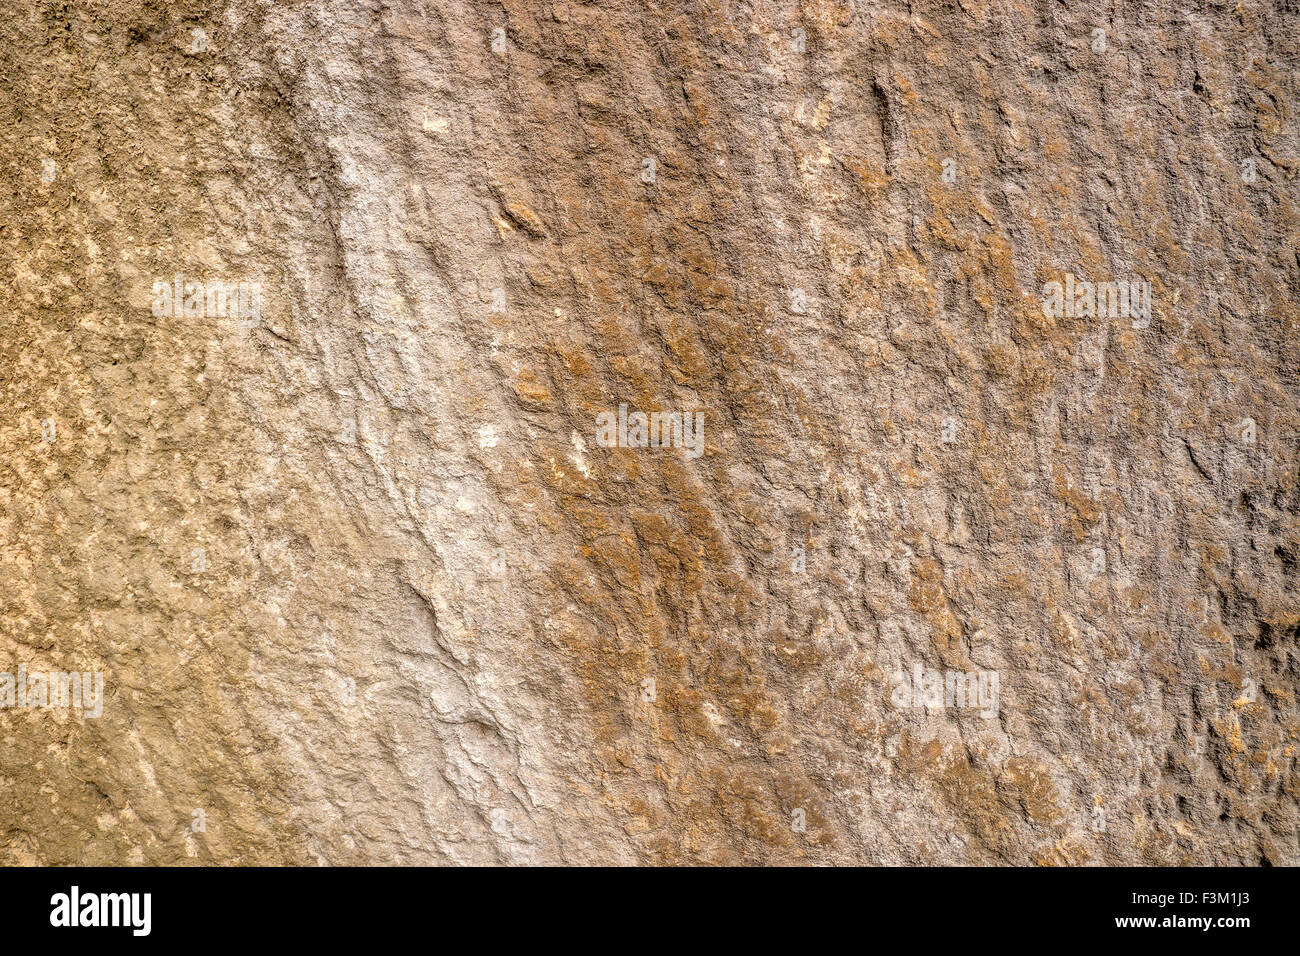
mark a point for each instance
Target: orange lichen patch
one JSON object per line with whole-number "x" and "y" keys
{"x": 915, "y": 755}
{"x": 1064, "y": 630}
{"x": 972, "y": 797}
{"x": 619, "y": 555}
{"x": 522, "y": 216}
{"x": 1228, "y": 729}
{"x": 592, "y": 522}
{"x": 1216, "y": 632}
{"x": 1284, "y": 622}
{"x": 700, "y": 521}
{"x": 1001, "y": 360}
{"x": 1227, "y": 671}
{"x": 1087, "y": 697}
{"x": 1029, "y": 786}
{"x": 683, "y": 342}
{"x": 1067, "y": 851}
{"x": 1084, "y": 511}
{"x": 870, "y": 176}
{"x": 753, "y": 710}
{"x": 926, "y": 596}
{"x": 665, "y": 283}
{"x": 531, "y": 390}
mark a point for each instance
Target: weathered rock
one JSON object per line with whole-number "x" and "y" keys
{"x": 365, "y": 587}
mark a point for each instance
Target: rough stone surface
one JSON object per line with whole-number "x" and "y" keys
{"x": 364, "y": 586}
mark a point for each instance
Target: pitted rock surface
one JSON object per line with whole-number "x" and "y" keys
{"x": 365, "y": 585}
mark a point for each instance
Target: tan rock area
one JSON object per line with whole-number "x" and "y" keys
{"x": 331, "y": 330}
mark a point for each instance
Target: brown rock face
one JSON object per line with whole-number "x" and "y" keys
{"x": 598, "y": 432}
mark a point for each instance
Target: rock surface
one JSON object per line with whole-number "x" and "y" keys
{"x": 365, "y": 585}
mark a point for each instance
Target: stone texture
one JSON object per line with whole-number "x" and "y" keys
{"x": 365, "y": 588}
